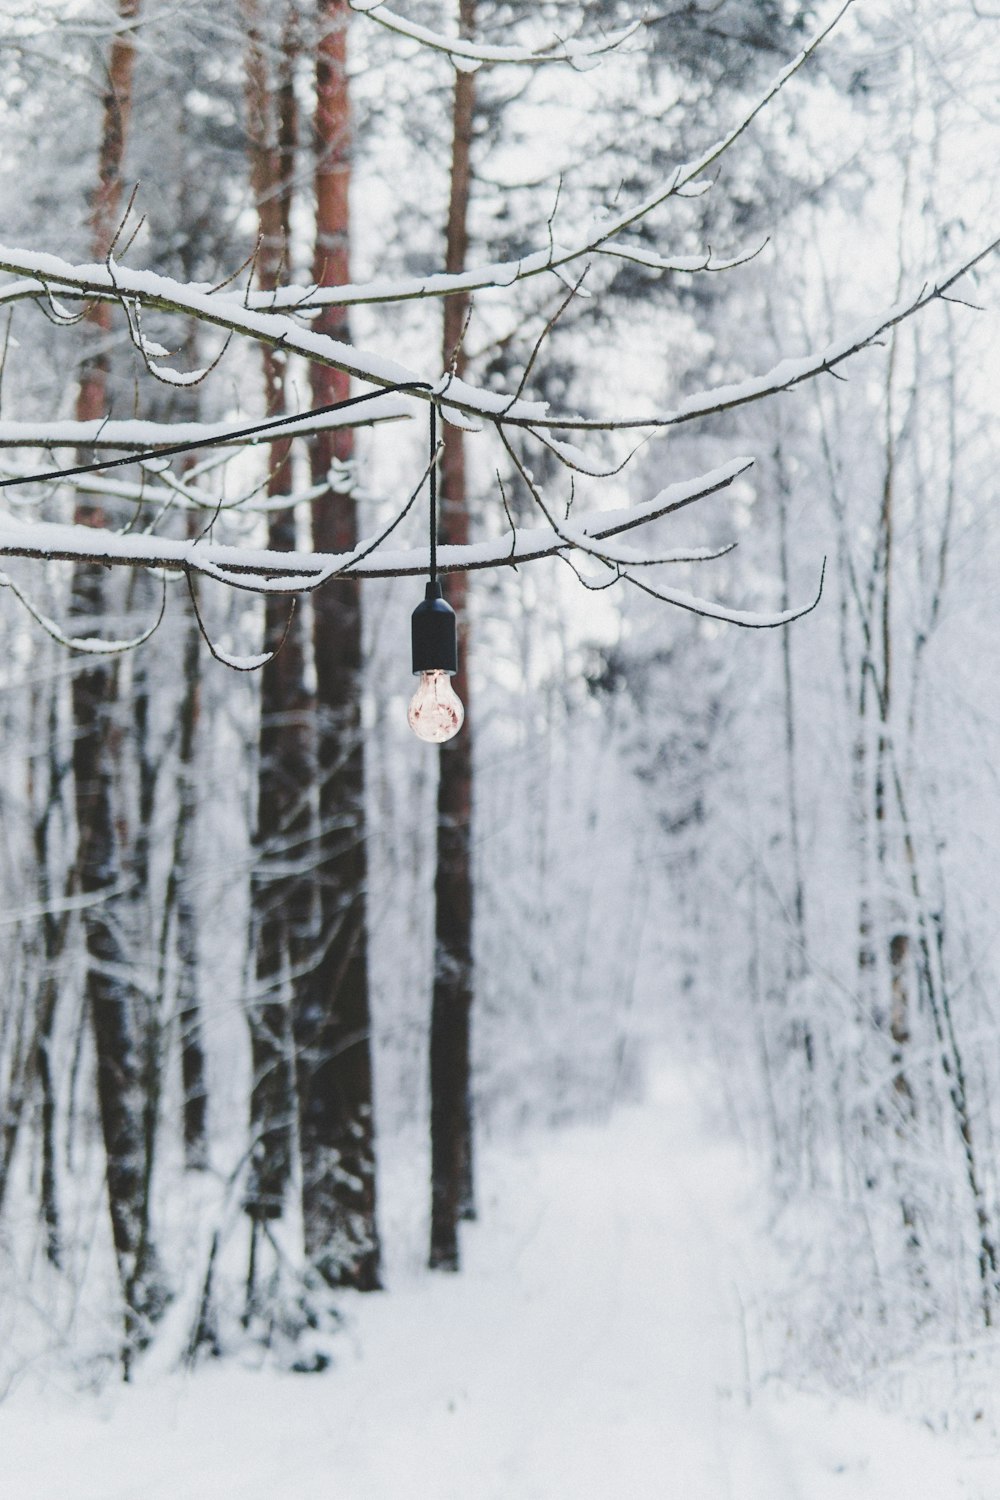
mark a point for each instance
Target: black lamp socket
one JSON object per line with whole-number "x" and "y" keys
{"x": 434, "y": 628}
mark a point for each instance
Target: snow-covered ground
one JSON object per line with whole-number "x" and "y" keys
{"x": 594, "y": 1348}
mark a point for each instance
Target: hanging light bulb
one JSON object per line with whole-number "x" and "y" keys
{"x": 435, "y": 713}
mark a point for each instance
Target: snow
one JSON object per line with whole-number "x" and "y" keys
{"x": 595, "y": 1346}
{"x": 138, "y": 434}
{"x": 468, "y": 56}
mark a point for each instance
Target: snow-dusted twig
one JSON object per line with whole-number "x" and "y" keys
{"x": 266, "y": 571}
{"x": 150, "y": 352}
{"x": 620, "y": 559}
{"x": 227, "y": 658}
{"x": 468, "y": 56}
{"x": 89, "y": 645}
{"x": 747, "y": 619}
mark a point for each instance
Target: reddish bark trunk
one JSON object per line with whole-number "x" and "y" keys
{"x": 331, "y": 1013}
{"x": 109, "y": 997}
{"x": 280, "y": 899}
{"x": 452, "y": 1195}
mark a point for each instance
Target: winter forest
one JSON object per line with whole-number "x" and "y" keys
{"x": 335, "y": 1065}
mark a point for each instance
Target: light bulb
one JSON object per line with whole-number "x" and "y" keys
{"x": 435, "y": 713}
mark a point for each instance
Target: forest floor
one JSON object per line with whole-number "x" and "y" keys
{"x": 594, "y": 1348}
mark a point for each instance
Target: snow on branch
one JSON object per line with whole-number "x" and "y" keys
{"x": 789, "y": 373}
{"x": 468, "y": 56}
{"x": 619, "y": 562}
{"x": 266, "y": 571}
{"x": 135, "y": 435}
{"x": 511, "y": 411}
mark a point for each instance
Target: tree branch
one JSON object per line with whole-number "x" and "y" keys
{"x": 458, "y": 395}
{"x": 467, "y": 56}
{"x": 265, "y": 571}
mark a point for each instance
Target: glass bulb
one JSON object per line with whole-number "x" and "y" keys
{"x": 435, "y": 713}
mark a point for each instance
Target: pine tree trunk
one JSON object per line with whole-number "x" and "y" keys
{"x": 278, "y": 902}
{"x": 194, "y": 1081}
{"x": 108, "y": 995}
{"x": 452, "y": 1196}
{"x": 331, "y": 1010}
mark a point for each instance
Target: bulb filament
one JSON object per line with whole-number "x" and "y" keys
{"x": 435, "y": 713}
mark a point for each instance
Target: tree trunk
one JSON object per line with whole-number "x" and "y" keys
{"x": 331, "y": 1012}
{"x": 179, "y": 925}
{"x": 108, "y": 994}
{"x": 283, "y": 804}
{"x": 55, "y": 929}
{"x": 452, "y": 1195}
{"x": 27, "y": 1033}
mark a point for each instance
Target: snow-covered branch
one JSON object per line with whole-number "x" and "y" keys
{"x": 468, "y": 56}
{"x": 621, "y": 560}
{"x": 283, "y": 332}
{"x": 788, "y": 373}
{"x": 134, "y": 435}
{"x": 294, "y": 572}
{"x": 52, "y": 274}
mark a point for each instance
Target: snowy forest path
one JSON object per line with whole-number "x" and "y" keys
{"x": 594, "y": 1348}
{"x": 591, "y": 1348}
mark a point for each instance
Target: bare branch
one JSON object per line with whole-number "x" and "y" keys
{"x": 237, "y": 663}
{"x": 683, "y": 264}
{"x": 88, "y": 645}
{"x": 547, "y": 328}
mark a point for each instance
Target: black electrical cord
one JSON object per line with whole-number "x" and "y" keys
{"x": 224, "y": 438}
{"x": 433, "y": 506}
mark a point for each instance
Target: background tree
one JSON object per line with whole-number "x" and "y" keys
{"x": 332, "y": 1027}
{"x": 279, "y": 888}
{"x": 123, "y": 1083}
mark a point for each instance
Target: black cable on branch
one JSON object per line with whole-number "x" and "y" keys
{"x": 435, "y": 712}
